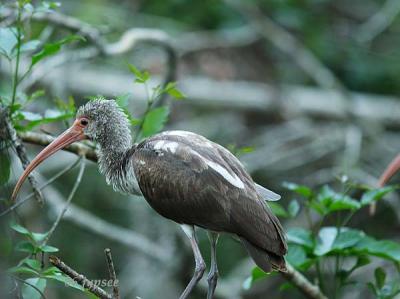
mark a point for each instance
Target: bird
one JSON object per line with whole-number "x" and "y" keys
{"x": 185, "y": 178}
{"x": 390, "y": 171}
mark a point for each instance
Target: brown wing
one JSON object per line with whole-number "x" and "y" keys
{"x": 191, "y": 180}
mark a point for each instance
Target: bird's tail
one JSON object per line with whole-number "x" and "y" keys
{"x": 267, "y": 261}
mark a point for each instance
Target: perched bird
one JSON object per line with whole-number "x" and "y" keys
{"x": 185, "y": 178}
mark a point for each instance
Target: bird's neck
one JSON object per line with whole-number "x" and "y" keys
{"x": 115, "y": 163}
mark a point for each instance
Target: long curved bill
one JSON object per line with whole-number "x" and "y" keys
{"x": 74, "y": 133}
{"x": 390, "y": 171}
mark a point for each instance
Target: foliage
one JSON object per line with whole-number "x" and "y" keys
{"x": 320, "y": 244}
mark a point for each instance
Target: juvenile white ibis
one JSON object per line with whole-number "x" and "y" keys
{"x": 185, "y": 178}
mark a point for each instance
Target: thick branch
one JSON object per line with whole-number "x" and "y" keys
{"x": 302, "y": 283}
{"x": 79, "y": 278}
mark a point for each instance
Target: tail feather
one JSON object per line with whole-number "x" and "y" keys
{"x": 267, "y": 261}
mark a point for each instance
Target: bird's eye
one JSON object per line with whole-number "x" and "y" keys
{"x": 84, "y": 122}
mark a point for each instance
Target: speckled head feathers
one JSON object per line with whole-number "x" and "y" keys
{"x": 108, "y": 124}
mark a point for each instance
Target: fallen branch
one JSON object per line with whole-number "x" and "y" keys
{"x": 302, "y": 283}
{"x": 79, "y": 278}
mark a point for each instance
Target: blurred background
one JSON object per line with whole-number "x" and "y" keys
{"x": 305, "y": 91}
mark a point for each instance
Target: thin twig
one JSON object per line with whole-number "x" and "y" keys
{"x": 79, "y": 278}
{"x": 111, "y": 270}
{"x": 51, "y": 180}
{"x": 302, "y": 283}
{"x": 116, "y": 233}
{"x": 67, "y": 203}
{"x": 11, "y": 134}
{"x": 31, "y": 285}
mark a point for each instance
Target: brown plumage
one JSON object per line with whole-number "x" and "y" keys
{"x": 180, "y": 186}
{"x": 185, "y": 178}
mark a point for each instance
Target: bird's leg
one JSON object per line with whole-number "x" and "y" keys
{"x": 200, "y": 265}
{"x": 212, "y": 277}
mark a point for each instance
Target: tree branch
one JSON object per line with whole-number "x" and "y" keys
{"x": 51, "y": 180}
{"x": 111, "y": 270}
{"x": 110, "y": 231}
{"x": 79, "y": 278}
{"x": 378, "y": 22}
{"x": 44, "y": 140}
{"x": 67, "y": 203}
{"x": 302, "y": 283}
{"x": 11, "y": 135}
{"x": 288, "y": 44}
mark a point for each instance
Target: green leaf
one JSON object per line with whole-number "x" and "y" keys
{"x": 8, "y": 41}
{"x": 173, "y": 91}
{"x": 154, "y": 121}
{"x": 25, "y": 246}
{"x": 36, "y": 94}
{"x": 384, "y": 248}
{"x": 380, "y": 277}
{"x": 65, "y": 280}
{"x": 300, "y": 189}
{"x": 326, "y": 238}
{"x": 20, "y": 229}
{"x": 123, "y": 99}
{"x": 134, "y": 70}
{"x": 296, "y": 256}
{"x": 30, "y": 46}
{"x": 329, "y": 239}
{"x": 38, "y": 237}
{"x": 23, "y": 270}
{"x": 28, "y": 292}
{"x": 256, "y": 274}
{"x": 141, "y": 77}
{"x": 333, "y": 201}
{"x": 48, "y": 248}
{"x": 50, "y": 115}
{"x": 347, "y": 238}
{"x": 375, "y": 195}
{"x": 34, "y": 264}
{"x": 5, "y": 165}
{"x": 278, "y": 209}
{"x": 51, "y": 271}
{"x": 293, "y": 208}
{"x": 30, "y": 116}
{"x": 300, "y": 236}
{"x": 53, "y": 48}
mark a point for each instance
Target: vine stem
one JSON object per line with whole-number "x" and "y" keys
{"x": 15, "y": 80}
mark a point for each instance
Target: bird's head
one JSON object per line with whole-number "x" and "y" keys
{"x": 99, "y": 120}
